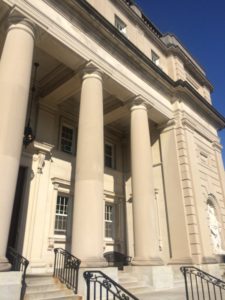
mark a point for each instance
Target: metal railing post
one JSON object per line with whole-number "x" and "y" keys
{"x": 66, "y": 268}
{"x": 203, "y": 286}
{"x": 96, "y": 281}
{"x": 19, "y": 263}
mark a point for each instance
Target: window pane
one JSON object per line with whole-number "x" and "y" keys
{"x": 66, "y": 139}
{"x": 109, "y": 221}
{"x": 61, "y": 215}
{"x": 109, "y": 155}
{"x": 120, "y": 25}
{"x": 108, "y": 149}
{"x": 155, "y": 58}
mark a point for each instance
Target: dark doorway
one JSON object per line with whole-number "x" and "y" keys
{"x": 14, "y": 227}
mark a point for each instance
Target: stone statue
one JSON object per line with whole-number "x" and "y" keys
{"x": 214, "y": 230}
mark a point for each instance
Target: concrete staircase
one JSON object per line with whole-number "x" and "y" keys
{"x": 46, "y": 287}
{"x": 133, "y": 285}
{"x": 143, "y": 291}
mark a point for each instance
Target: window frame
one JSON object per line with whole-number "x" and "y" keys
{"x": 155, "y": 58}
{"x": 110, "y": 221}
{"x": 66, "y": 125}
{"x": 120, "y": 25}
{"x": 62, "y": 232}
{"x": 112, "y": 157}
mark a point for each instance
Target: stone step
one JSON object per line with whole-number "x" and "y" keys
{"x": 44, "y": 286}
{"x": 179, "y": 283}
{"x": 38, "y": 287}
{"x": 167, "y": 294}
{"x": 56, "y": 293}
{"x": 138, "y": 290}
{"x": 131, "y": 284}
{"x": 37, "y": 280}
{"x": 74, "y": 297}
{"x": 126, "y": 278}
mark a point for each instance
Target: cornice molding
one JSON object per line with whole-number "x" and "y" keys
{"x": 186, "y": 122}
{"x": 217, "y": 146}
{"x": 139, "y": 101}
{"x": 207, "y": 107}
{"x": 56, "y": 181}
{"x": 140, "y": 57}
{"x": 171, "y": 124}
{"x": 170, "y": 48}
{"x": 43, "y": 147}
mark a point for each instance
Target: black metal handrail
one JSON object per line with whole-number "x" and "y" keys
{"x": 66, "y": 268}
{"x": 100, "y": 286}
{"x": 202, "y": 286}
{"x": 18, "y": 263}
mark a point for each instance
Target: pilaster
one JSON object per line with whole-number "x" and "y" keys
{"x": 196, "y": 208}
{"x": 172, "y": 151}
{"x": 35, "y": 238}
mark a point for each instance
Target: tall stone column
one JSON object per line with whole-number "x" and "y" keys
{"x": 15, "y": 74}
{"x": 87, "y": 236}
{"x": 146, "y": 248}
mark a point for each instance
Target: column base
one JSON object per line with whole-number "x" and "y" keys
{"x": 147, "y": 261}
{"x": 181, "y": 261}
{"x": 4, "y": 265}
{"x": 209, "y": 260}
{"x": 93, "y": 262}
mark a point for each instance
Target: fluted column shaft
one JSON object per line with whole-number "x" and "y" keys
{"x": 15, "y": 74}
{"x": 87, "y": 240}
{"x": 144, "y": 211}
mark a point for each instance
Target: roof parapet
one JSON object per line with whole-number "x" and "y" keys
{"x": 170, "y": 39}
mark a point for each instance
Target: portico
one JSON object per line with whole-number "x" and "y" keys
{"x": 89, "y": 184}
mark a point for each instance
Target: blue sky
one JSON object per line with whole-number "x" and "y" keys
{"x": 200, "y": 26}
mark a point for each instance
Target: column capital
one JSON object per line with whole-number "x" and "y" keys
{"x": 91, "y": 71}
{"x": 138, "y": 102}
{"x": 189, "y": 124}
{"x": 217, "y": 146}
{"x": 168, "y": 125}
{"x": 17, "y": 21}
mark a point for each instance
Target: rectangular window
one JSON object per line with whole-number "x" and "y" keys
{"x": 155, "y": 58}
{"x": 67, "y": 136}
{"x": 109, "y": 221}
{"x": 120, "y": 25}
{"x": 109, "y": 155}
{"x": 61, "y": 214}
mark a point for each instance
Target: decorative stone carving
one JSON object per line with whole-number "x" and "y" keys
{"x": 44, "y": 152}
{"x": 214, "y": 229}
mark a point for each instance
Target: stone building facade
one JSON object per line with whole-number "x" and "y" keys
{"x": 126, "y": 155}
